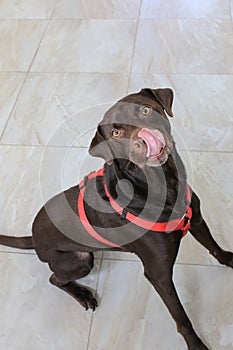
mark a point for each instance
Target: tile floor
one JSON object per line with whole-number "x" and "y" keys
{"x": 62, "y": 63}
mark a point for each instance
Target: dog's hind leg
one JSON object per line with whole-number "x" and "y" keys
{"x": 201, "y": 232}
{"x": 69, "y": 266}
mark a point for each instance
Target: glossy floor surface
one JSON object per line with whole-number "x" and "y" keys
{"x": 62, "y": 64}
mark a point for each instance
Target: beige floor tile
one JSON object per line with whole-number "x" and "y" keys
{"x": 184, "y": 46}
{"x": 86, "y": 46}
{"x": 10, "y": 86}
{"x": 36, "y": 314}
{"x": 185, "y": 9}
{"x": 113, "y": 9}
{"x": 202, "y": 108}
{"x": 20, "y": 198}
{"x": 67, "y": 167}
{"x": 139, "y": 318}
{"x": 26, "y": 8}
{"x": 100, "y": 9}
{"x": 19, "y": 42}
{"x": 120, "y": 256}
{"x": 32, "y": 175}
{"x": 51, "y": 112}
{"x": 71, "y": 9}
{"x": 209, "y": 174}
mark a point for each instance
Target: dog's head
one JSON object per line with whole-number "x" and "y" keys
{"x": 137, "y": 129}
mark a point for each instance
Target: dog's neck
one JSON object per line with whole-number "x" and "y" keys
{"x": 157, "y": 191}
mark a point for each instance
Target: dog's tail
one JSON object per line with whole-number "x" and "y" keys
{"x": 17, "y": 242}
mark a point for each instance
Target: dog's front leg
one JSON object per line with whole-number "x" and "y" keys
{"x": 158, "y": 257}
{"x": 166, "y": 289}
{"x": 201, "y": 232}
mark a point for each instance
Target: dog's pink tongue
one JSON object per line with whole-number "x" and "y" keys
{"x": 154, "y": 140}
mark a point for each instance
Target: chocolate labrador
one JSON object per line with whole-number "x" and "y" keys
{"x": 139, "y": 202}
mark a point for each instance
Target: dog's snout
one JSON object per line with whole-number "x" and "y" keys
{"x": 138, "y": 144}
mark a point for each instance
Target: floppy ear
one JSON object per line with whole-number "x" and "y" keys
{"x": 100, "y": 147}
{"x": 164, "y": 97}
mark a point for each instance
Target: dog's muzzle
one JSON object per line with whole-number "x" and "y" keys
{"x": 149, "y": 148}
{"x": 154, "y": 141}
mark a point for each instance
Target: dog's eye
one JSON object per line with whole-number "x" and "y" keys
{"x": 116, "y": 133}
{"x": 146, "y": 110}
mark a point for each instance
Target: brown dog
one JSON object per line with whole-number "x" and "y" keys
{"x": 138, "y": 203}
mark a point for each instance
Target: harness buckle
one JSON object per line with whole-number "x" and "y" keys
{"x": 124, "y": 213}
{"x": 187, "y": 224}
{"x": 83, "y": 183}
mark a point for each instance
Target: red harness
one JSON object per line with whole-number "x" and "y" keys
{"x": 182, "y": 224}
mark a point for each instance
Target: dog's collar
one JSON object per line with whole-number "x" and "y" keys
{"x": 182, "y": 224}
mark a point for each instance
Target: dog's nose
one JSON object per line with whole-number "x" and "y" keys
{"x": 139, "y": 145}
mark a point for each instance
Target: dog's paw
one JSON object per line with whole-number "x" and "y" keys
{"x": 202, "y": 347}
{"x": 86, "y": 299}
{"x": 230, "y": 259}
{"x": 226, "y": 258}
{"x": 197, "y": 346}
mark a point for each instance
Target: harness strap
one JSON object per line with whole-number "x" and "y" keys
{"x": 82, "y": 212}
{"x": 182, "y": 224}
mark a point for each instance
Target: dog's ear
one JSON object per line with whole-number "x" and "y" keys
{"x": 100, "y": 147}
{"x": 163, "y": 96}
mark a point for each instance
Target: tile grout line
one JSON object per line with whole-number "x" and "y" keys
{"x": 48, "y": 20}
{"x": 92, "y": 316}
{"x": 231, "y": 12}
{"x": 200, "y": 265}
{"x": 134, "y": 45}
{"x": 206, "y": 19}
{"x": 119, "y": 73}
{"x": 17, "y": 252}
{"x": 17, "y": 98}
{"x": 176, "y": 264}
{"x": 98, "y": 19}
{"x": 13, "y": 107}
{"x": 102, "y": 259}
